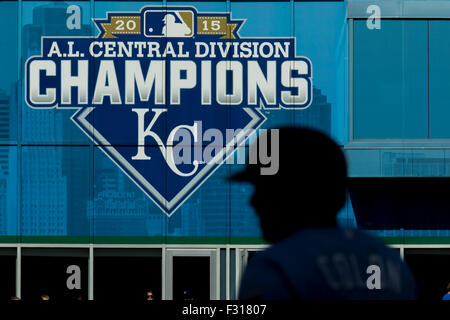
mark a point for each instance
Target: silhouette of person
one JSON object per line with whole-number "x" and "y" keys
{"x": 311, "y": 257}
{"x": 187, "y": 295}
{"x": 174, "y": 29}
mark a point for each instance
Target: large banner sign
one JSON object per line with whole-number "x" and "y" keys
{"x": 168, "y": 93}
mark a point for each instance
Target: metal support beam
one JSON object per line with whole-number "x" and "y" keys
{"x": 91, "y": 274}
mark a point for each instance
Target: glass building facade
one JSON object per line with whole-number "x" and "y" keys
{"x": 380, "y": 89}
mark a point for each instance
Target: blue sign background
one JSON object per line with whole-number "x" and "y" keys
{"x": 55, "y": 182}
{"x": 90, "y": 196}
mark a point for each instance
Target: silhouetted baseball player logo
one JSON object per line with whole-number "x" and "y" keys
{"x": 166, "y": 23}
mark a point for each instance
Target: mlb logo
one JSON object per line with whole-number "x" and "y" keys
{"x": 168, "y": 23}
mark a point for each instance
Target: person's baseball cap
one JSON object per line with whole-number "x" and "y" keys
{"x": 303, "y": 153}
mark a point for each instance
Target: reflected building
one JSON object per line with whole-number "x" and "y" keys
{"x": 113, "y": 212}
{"x": 214, "y": 206}
{"x": 190, "y": 214}
{"x": 3, "y": 199}
{"x": 53, "y": 187}
{"x": 44, "y": 200}
{"x": 206, "y": 213}
{"x": 244, "y": 220}
{"x": 48, "y": 20}
{"x": 124, "y": 214}
{"x": 4, "y": 120}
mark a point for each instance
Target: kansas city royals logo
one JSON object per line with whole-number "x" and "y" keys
{"x": 157, "y": 87}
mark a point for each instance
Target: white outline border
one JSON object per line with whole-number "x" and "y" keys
{"x": 206, "y": 172}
